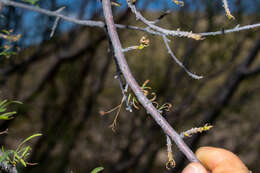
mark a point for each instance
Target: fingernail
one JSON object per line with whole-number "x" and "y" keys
{"x": 194, "y": 168}
{"x": 190, "y": 169}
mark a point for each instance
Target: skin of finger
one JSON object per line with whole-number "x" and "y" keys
{"x": 219, "y": 160}
{"x": 194, "y": 168}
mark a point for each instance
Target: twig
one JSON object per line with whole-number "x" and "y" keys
{"x": 161, "y": 17}
{"x": 168, "y": 130}
{"x": 123, "y": 86}
{"x": 195, "y": 130}
{"x": 92, "y": 23}
{"x": 171, "y": 162}
{"x": 194, "y": 76}
{"x": 56, "y": 22}
{"x": 159, "y": 29}
{"x": 53, "y": 13}
{"x": 228, "y": 13}
{"x": 227, "y": 31}
{"x": 130, "y": 48}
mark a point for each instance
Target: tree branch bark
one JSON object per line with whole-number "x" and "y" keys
{"x": 135, "y": 87}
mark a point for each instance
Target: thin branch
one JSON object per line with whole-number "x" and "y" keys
{"x": 118, "y": 76}
{"x": 53, "y": 13}
{"x": 100, "y": 24}
{"x": 130, "y": 48}
{"x": 56, "y": 22}
{"x": 159, "y": 29}
{"x": 168, "y": 130}
{"x": 171, "y": 162}
{"x": 195, "y": 130}
{"x": 194, "y": 76}
{"x": 227, "y": 31}
{"x": 228, "y": 13}
{"x": 161, "y": 16}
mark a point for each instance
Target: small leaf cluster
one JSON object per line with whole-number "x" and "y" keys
{"x": 20, "y": 154}
{"x": 3, "y": 107}
{"x": 132, "y": 101}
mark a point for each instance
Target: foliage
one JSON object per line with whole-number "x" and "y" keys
{"x": 97, "y": 169}
{"x": 3, "y": 107}
{"x": 20, "y": 154}
{"x": 133, "y": 101}
{"x": 64, "y": 122}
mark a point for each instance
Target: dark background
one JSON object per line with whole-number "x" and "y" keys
{"x": 65, "y": 81}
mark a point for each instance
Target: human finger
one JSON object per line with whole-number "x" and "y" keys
{"x": 219, "y": 160}
{"x": 194, "y": 168}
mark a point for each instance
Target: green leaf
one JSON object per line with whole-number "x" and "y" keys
{"x": 5, "y": 155}
{"x": 26, "y": 150}
{"x": 2, "y": 109}
{"x": 11, "y": 102}
{"x": 20, "y": 160}
{"x": 7, "y": 116}
{"x": 27, "y": 139}
{"x": 5, "y": 103}
{"x": 98, "y": 169}
{"x": 2, "y": 105}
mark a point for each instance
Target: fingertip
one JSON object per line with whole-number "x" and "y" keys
{"x": 216, "y": 158}
{"x": 194, "y": 168}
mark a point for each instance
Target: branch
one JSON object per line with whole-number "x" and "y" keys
{"x": 227, "y": 31}
{"x": 118, "y": 76}
{"x": 161, "y": 17}
{"x": 54, "y": 14}
{"x": 194, "y": 76}
{"x": 130, "y": 48}
{"x": 100, "y": 24}
{"x": 136, "y": 88}
{"x": 159, "y": 29}
{"x": 56, "y": 22}
{"x": 228, "y": 13}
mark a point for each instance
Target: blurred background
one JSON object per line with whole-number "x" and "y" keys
{"x": 65, "y": 81}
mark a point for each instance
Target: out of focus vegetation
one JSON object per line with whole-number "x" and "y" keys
{"x": 64, "y": 83}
